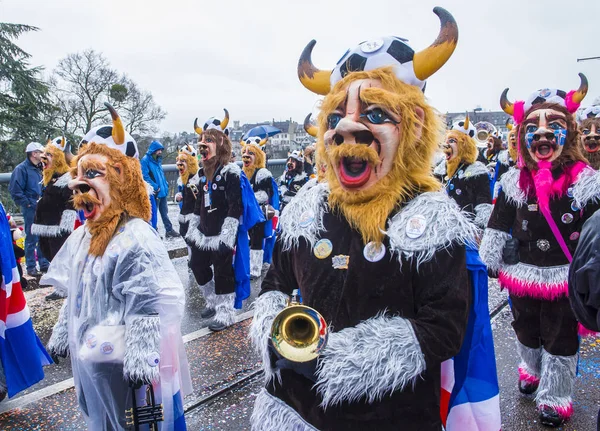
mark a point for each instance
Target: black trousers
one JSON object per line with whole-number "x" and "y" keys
{"x": 51, "y": 245}
{"x": 222, "y": 262}
{"x": 550, "y": 324}
{"x": 257, "y": 235}
{"x": 183, "y": 228}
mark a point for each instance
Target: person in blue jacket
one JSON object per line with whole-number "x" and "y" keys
{"x": 25, "y": 189}
{"x": 154, "y": 175}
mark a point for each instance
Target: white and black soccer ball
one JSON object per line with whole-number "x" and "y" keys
{"x": 545, "y": 95}
{"x": 189, "y": 149}
{"x": 103, "y": 135}
{"x": 212, "y": 123}
{"x": 255, "y": 140}
{"x": 369, "y": 55}
{"x": 589, "y": 112}
{"x": 460, "y": 126}
{"x": 59, "y": 142}
{"x": 296, "y": 155}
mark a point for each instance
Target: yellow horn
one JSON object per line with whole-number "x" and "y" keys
{"x": 197, "y": 129}
{"x": 312, "y": 78}
{"x": 49, "y": 141}
{"x": 225, "y": 121}
{"x": 582, "y": 91}
{"x": 429, "y": 60}
{"x": 263, "y": 142}
{"x": 509, "y": 125}
{"x": 309, "y": 128}
{"x": 466, "y": 121}
{"x": 505, "y": 104}
{"x": 118, "y": 131}
{"x": 63, "y": 143}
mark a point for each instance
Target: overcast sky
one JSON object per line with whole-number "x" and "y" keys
{"x": 197, "y": 57}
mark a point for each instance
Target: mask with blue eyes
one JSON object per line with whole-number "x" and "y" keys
{"x": 560, "y": 135}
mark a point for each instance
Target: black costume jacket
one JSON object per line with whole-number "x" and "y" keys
{"x": 470, "y": 188}
{"x": 395, "y": 317}
{"x": 189, "y": 192}
{"x": 289, "y": 185}
{"x": 262, "y": 184}
{"x": 55, "y": 216}
{"x": 542, "y": 270}
{"x": 217, "y": 210}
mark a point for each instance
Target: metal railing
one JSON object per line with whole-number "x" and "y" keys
{"x": 276, "y": 166}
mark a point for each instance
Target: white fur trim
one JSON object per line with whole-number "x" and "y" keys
{"x": 186, "y": 218}
{"x": 482, "y": 215}
{"x": 227, "y": 236}
{"x": 149, "y": 188}
{"x": 587, "y": 187}
{"x": 531, "y": 359}
{"x": 474, "y": 170}
{"x": 59, "y": 340}
{"x": 256, "y": 261}
{"x": 496, "y": 190}
{"x": 263, "y": 174}
{"x": 66, "y": 226}
{"x": 224, "y": 308}
{"x": 445, "y": 224}
{"x": 490, "y": 249}
{"x": 504, "y": 158}
{"x": 261, "y": 197}
{"x": 440, "y": 169}
{"x": 557, "y": 380}
{"x": 208, "y": 292}
{"x": 510, "y": 186}
{"x": 142, "y": 342}
{"x": 179, "y": 182}
{"x": 195, "y": 179}
{"x": 272, "y": 414}
{"x": 232, "y": 168}
{"x": 266, "y": 307}
{"x": 373, "y": 359}
{"x": 530, "y": 274}
{"x": 311, "y": 199}
{"x": 229, "y": 231}
{"x": 63, "y": 180}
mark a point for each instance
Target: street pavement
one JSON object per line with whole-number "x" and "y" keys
{"x": 222, "y": 360}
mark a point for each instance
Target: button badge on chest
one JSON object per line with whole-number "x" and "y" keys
{"x": 415, "y": 226}
{"x": 340, "y": 261}
{"x": 543, "y": 244}
{"x": 323, "y": 248}
{"x": 374, "y": 251}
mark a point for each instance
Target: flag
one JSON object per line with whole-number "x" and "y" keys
{"x": 470, "y": 398}
{"x": 21, "y": 351}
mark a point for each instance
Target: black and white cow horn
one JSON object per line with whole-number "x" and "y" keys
{"x": 579, "y": 95}
{"x": 506, "y": 105}
{"x": 197, "y": 129}
{"x": 312, "y": 78}
{"x": 309, "y": 127}
{"x": 431, "y": 59}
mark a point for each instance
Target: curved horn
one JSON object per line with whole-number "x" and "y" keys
{"x": 225, "y": 121}
{"x": 312, "y": 78}
{"x": 263, "y": 142}
{"x": 429, "y": 60}
{"x": 509, "y": 125}
{"x": 49, "y": 141}
{"x": 118, "y": 131}
{"x": 466, "y": 126}
{"x": 197, "y": 129}
{"x": 309, "y": 127}
{"x": 506, "y": 105}
{"x": 583, "y": 89}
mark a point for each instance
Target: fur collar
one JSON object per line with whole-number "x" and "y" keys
{"x": 504, "y": 158}
{"x": 63, "y": 180}
{"x": 297, "y": 177}
{"x": 262, "y": 175}
{"x": 587, "y": 187}
{"x": 440, "y": 169}
{"x": 443, "y": 223}
{"x": 510, "y": 186}
{"x": 195, "y": 179}
{"x": 472, "y": 171}
{"x": 232, "y": 168}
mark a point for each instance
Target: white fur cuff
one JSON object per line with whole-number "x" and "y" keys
{"x": 369, "y": 361}
{"x": 142, "y": 349}
{"x": 266, "y": 307}
{"x": 59, "y": 340}
{"x": 272, "y": 414}
{"x": 229, "y": 231}
{"x": 482, "y": 215}
{"x": 491, "y": 247}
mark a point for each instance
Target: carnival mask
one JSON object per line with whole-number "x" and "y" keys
{"x": 91, "y": 186}
{"x": 545, "y": 134}
{"x": 590, "y": 137}
{"x": 450, "y": 148}
{"x": 248, "y": 156}
{"x": 292, "y": 165}
{"x": 181, "y": 165}
{"x": 362, "y": 136}
{"x": 207, "y": 148}
{"x": 47, "y": 159}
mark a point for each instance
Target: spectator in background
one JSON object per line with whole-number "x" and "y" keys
{"x": 154, "y": 175}
{"x": 25, "y": 189}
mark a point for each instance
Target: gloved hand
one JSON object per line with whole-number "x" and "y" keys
{"x": 136, "y": 384}
{"x": 55, "y": 355}
{"x": 510, "y": 252}
{"x": 306, "y": 369}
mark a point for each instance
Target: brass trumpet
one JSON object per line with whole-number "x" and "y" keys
{"x": 299, "y": 333}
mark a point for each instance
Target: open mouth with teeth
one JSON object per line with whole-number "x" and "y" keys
{"x": 85, "y": 201}
{"x": 181, "y": 168}
{"x": 543, "y": 150}
{"x": 354, "y": 172}
{"x": 247, "y": 161}
{"x": 203, "y": 153}
{"x": 448, "y": 152}
{"x": 592, "y": 145}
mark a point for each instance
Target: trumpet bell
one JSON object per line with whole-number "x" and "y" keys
{"x": 299, "y": 333}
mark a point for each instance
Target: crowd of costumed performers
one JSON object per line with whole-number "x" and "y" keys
{"x": 371, "y": 253}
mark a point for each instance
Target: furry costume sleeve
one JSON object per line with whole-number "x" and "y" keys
{"x": 386, "y": 353}
{"x": 142, "y": 349}
{"x": 59, "y": 340}
{"x": 483, "y": 200}
{"x": 497, "y": 232}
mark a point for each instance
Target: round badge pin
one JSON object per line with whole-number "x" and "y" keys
{"x": 415, "y": 226}
{"x": 567, "y": 218}
{"x": 153, "y": 359}
{"x": 218, "y": 178}
{"x": 570, "y": 192}
{"x": 574, "y": 236}
{"x": 323, "y": 248}
{"x": 575, "y": 207}
{"x": 458, "y": 192}
{"x": 545, "y": 92}
{"x": 107, "y": 348}
{"x": 451, "y": 187}
{"x": 91, "y": 341}
{"x": 371, "y": 46}
{"x": 205, "y": 187}
{"x": 306, "y": 218}
{"x": 374, "y": 251}
{"x": 214, "y": 186}
{"x": 543, "y": 244}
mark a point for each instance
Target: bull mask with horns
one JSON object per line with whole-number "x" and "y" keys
{"x": 213, "y": 123}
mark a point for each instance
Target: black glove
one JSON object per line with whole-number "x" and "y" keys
{"x": 306, "y": 369}
{"x": 510, "y": 252}
{"x": 54, "y": 355}
{"x": 138, "y": 383}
